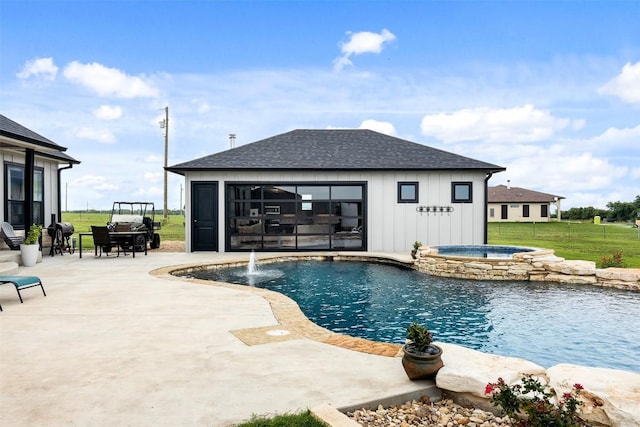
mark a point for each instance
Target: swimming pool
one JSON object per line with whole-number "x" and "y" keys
{"x": 481, "y": 251}
{"x": 545, "y": 323}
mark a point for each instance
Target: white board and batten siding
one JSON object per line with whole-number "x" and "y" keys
{"x": 391, "y": 226}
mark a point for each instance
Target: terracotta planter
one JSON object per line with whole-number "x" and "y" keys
{"x": 419, "y": 366}
{"x": 29, "y": 254}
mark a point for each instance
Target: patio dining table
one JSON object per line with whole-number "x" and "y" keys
{"x": 119, "y": 236}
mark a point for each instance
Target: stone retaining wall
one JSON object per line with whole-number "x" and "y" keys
{"x": 539, "y": 265}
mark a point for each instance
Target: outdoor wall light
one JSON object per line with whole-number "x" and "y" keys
{"x": 434, "y": 209}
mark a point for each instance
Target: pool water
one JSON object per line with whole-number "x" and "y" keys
{"x": 481, "y": 251}
{"x": 542, "y": 322}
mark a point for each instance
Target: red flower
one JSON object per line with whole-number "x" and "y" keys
{"x": 567, "y": 396}
{"x": 578, "y": 386}
{"x": 489, "y": 388}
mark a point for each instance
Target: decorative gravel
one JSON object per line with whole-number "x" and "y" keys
{"x": 444, "y": 413}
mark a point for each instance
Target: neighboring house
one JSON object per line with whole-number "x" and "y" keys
{"x": 333, "y": 190}
{"x": 30, "y": 179}
{"x": 513, "y": 204}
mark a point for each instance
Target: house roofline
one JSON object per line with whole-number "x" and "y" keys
{"x": 182, "y": 171}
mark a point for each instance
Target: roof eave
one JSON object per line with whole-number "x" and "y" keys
{"x": 11, "y": 140}
{"x": 183, "y": 170}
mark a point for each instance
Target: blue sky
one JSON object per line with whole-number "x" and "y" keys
{"x": 548, "y": 89}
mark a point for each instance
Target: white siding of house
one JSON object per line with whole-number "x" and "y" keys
{"x": 391, "y": 226}
{"x": 514, "y": 212}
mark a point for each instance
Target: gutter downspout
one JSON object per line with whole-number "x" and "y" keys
{"x": 60, "y": 190}
{"x": 486, "y": 206}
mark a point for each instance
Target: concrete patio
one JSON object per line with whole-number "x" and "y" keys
{"x": 112, "y": 344}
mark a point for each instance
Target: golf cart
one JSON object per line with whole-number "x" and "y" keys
{"x": 136, "y": 216}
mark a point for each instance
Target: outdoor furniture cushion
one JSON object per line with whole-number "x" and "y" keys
{"x": 22, "y": 282}
{"x": 9, "y": 236}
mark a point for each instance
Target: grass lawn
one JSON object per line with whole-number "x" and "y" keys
{"x": 173, "y": 229}
{"x": 304, "y": 419}
{"x": 572, "y": 240}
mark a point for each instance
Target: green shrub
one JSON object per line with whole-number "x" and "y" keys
{"x": 303, "y": 419}
{"x": 615, "y": 260}
{"x": 531, "y": 404}
{"x": 33, "y": 235}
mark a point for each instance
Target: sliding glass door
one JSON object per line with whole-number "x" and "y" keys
{"x": 295, "y": 216}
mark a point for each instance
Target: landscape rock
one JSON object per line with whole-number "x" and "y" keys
{"x": 612, "y": 396}
{"x": 573, "y": 267}
{"x": 619, "y": 274}
{"x": 571, "y": 280}
{"x": 469, "y": 371}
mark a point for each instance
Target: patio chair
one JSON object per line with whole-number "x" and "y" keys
{"x": 9, "y": 236}
{"x": 21, "y": 283}
{"x": 102, "y": 240}
{"x": 123, "y": 242}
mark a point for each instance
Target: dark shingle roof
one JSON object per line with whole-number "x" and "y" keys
{"x": 43, "y": 146}
{"x": 14, "y": 130}
{"x": 504, "y": 194}
{"x": 344, "y": 149}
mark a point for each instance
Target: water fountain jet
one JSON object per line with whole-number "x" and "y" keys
{"x": 252, "y": 268}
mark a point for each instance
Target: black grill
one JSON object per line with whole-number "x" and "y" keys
{"x": 60, "y": 234}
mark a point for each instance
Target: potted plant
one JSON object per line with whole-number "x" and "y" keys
{"x": 416, "y": 246}
{"x": 30, "y": 248}
{"x": 421, "y": 359}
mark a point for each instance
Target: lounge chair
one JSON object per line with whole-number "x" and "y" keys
{"x": 9, "y": 236}
{"x": 21, "y": 283}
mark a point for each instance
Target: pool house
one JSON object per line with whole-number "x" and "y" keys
{"x": 348, "y": 189}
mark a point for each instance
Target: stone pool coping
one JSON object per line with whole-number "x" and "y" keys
{"x": 466, "y": 372}
{"x": 539, "y": 265}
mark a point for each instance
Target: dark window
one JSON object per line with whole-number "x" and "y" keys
{"x": 407, "y": 192}
{"x": 544, "y": 211}
{"x": 295, "y": 216}
{"x": 461, "y": 192}
{"x": 504, "y": 212}
{"x": 492, "y": 212}
{"x": 15, "y": 191}
{"x": 525, "y": 211}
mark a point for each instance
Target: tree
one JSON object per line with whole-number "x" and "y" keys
{"x": 622, "y": 211}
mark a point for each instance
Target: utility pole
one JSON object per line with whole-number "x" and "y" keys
{"x": 164, "y": 124}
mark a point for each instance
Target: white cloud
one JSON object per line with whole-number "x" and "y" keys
{"x": 612, "y": 141}
{"x": 202, "y": 107}
{"x": 362, "y": 42}
{"x": 95, "y": 183}
{"x": 39, "y": 67}
{"x": 154, "y": 176}
{"x": 152, "y": 158}
{"x": 578, "y": 124}
{"x": 566, "y": 174}
{"x": 625, "y": 85}
{"x": 101, "y": 135}
{"x": 378, "y": 126}
{"x": 518, "y": 124}
{"x": 107, "y": 112}
{"x": 149, "y": 192}
{"x": 109, "y": 81}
